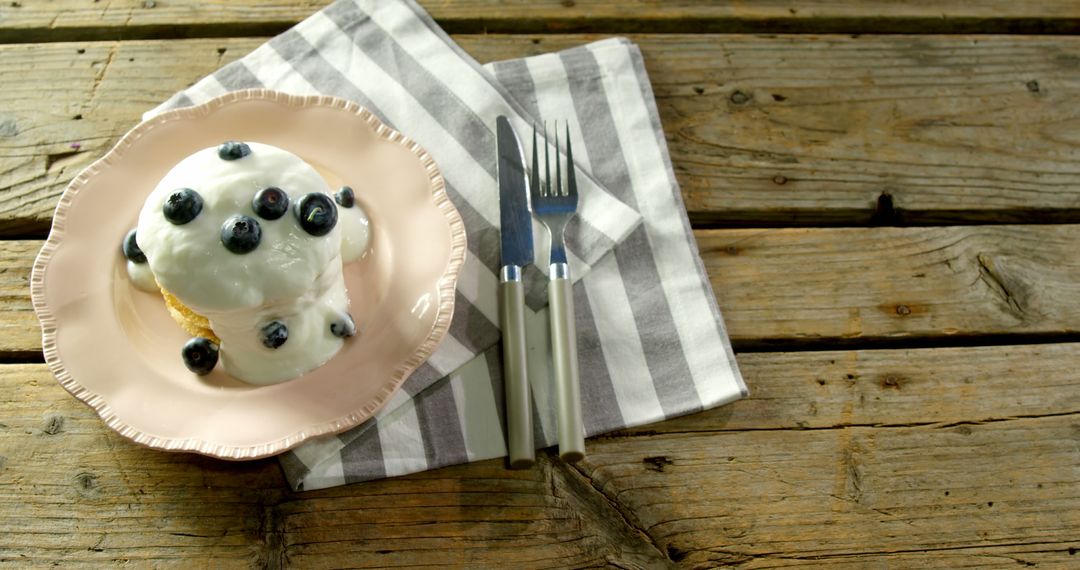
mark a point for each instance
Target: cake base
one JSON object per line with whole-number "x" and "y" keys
{"x": 192, "y": 322}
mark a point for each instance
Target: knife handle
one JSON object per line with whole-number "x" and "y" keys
{"x": 564, "y": 354}
{"x": 515, "y": 371}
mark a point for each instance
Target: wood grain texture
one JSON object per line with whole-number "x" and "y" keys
{"x": 907, "y": 129}
{"x": 127, "y": 19}
{"x": 850, "y": 494}
{"x": 64, "y": 105}
{"x": 938, "y": 388}
{"x": 823, "y": 287}
{"x": 75, "y": 494}
{"x": 973, "y": 481}
{"x": 20, "y": 333}
{"x": 886, "y": 130}
{"x": 865, "y": 459}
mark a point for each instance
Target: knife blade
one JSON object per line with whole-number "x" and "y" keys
{"x": 516, "y": 243}
{"x": 514, "y": 213}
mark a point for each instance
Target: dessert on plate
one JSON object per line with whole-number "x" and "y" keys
{"x": 246, "y": 242}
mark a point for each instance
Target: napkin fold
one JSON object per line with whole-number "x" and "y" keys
{"x": 652, "y": 343}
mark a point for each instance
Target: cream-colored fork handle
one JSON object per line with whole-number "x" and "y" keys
{"x": 565, "y": 357}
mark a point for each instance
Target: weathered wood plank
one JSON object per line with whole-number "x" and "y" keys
{"x": 892, "y": 388}
{"x": 853, "y": 285}
{"x": 74, "y": 493}
{"x": 128, "y": 19}
{"x": 745, "y": 489}
{"x": 861, "y": 493}
{"x": 822, "y": 287}
{"x": 20, "y": 333}
{"x": 838, "y": 130}
{"x": 65, "y": 105}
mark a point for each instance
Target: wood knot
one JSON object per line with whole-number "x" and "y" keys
{"x": 54, "y": 424}
{"x": 699, "y": 90}
{"x": 779, "y": 179}
{"x": 778, "y": 98}
{"x": 657, "y": 463}
{"x": 740, "y": 98}
{"x": 1032, "y": 86}
{"x": 903, "y": 310}
{"x": 891, "y": 381}
{"x": 676, "y": 554}
{"x": 9, "y": 128}
{"x": 86, "y": 483}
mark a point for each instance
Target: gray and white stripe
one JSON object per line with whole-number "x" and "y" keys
{"x": 632, "y": 290}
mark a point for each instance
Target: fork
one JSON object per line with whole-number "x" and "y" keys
{"x": 554, "y": 207}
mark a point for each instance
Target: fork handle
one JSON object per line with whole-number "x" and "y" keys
{"x": 519, "y": 432}
{"x": 564, "y": 354}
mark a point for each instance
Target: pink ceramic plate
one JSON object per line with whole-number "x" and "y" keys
{"x": 116, "y": 348}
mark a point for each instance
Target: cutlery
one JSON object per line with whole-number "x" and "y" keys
{"x": 517, "y": 252}
{"x": 554, "y": 207}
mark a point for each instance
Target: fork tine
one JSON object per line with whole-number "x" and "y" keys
{"x": 534, "y": 176}
{"x": 547, "y": 164}
{"x": 571, "y": 181}
{"x": 558, "y": 164}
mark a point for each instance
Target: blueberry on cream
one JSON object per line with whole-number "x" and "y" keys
{"x": 274, "y": 334}
{"x": 241, "y": 234}
{"x": 345, "y": 197}
{"x": 343, "y": 326}
{"x": 182, "y": 206}
{"x": 232, "y": 150}
{"x": 131, "y": 249}
{"x": 200, "y": 355}
{"x": 270, "y": 203}
{"x": 316, "y": 213}
{"x": 256, "y": 270}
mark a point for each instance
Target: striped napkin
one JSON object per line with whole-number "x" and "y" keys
{"x": 652, "y": 344}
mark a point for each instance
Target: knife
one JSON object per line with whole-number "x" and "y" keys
{"x": 517, "y": 252}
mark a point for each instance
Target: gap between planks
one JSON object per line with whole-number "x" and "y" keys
{"x": 814, "y": 289}
{"x": 72, "y": 20}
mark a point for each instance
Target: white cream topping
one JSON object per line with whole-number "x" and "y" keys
{"x": 355, "y": 232}
{"x": 291, "y": 276}
{"x": 307, "y": 319}
{"x": 142, "y": 277}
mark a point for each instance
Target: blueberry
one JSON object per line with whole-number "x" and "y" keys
{"x": 316, "y": 213}
{"x": 274, "y": 334}
{"x": 343, "y": 326}
{"x": 200, "y": 355}
{"x": 131, "y": 249}
{"x": 232, "y": 150}
{"x": 270, "y": 203}
{"x": 345, "y": 197}
{"x": 240, "y": 234}
{"x": 182, "y": 206}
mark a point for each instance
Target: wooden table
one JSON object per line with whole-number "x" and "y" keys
{"x": 887, "y": 217}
